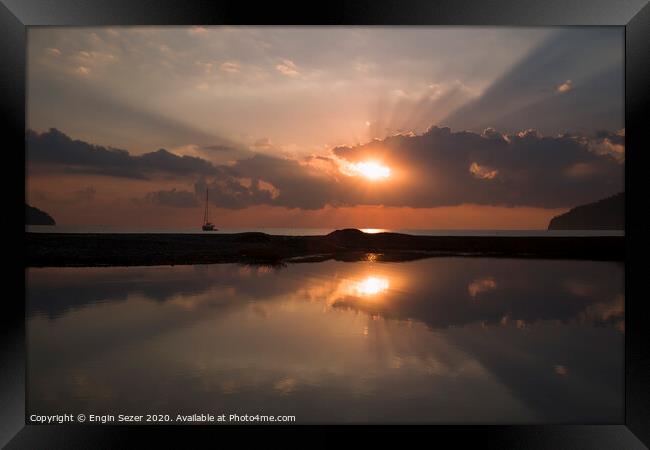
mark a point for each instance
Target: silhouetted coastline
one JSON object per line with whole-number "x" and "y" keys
{"x": 81, "y": 250}
{"x": 605, "y": 214}
{"x": 35, "y": 216}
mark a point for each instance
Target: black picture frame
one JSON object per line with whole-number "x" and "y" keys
{"x": 634, "y": 15}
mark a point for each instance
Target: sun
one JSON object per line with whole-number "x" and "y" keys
{"x": 372, "y": 170}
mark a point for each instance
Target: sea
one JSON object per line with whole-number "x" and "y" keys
{"x": 437, "y": 340}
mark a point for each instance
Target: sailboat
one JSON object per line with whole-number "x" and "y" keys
{"x": 207, "y": 225}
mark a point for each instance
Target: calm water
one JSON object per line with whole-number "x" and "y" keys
{"x": 442, "y": 340}
{"x": 319, "y": 231}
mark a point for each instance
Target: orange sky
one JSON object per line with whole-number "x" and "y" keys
{"x": 278, "y": 122}
{"x": 113, "y": 205}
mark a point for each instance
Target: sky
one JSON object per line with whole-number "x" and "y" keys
{"x": 368, "y": 127}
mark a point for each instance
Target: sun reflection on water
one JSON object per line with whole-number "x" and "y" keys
{"x": 372, "y": 257}
{"x": 371, "y": 285}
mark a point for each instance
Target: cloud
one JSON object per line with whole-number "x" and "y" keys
{"x": 58, "y": 151}
{"x": 482, "y": 172}
{"x": 94, "y": 58}
{"x": 436, "y": 168}
{"x": 173, "y": 198}
{"x": 163, "y": 71}
{"x": 581, "y": 170}
{"x": 230, "y": 67}
{"x": 439, "y": 167}
{"x": 269, "y": 180}
{"x": 82, "y": 70}
{"x": 564, "y": 87}
{"x": 612, "y": 144}
{"x": 521, "y": 169}
{"x": 288, "y": 68}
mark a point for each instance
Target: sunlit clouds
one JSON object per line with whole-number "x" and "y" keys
{"x": 288, "y": 68}
{"x": 482, "y": 172}
{"x": 293, "y": 85}
{"x": 305, "y": 126}
{"x": 230, "y": 66}
{"x": 565, "y": 87}
{"x": 610, "y": 143}
{"x": 82, "y": 70}
{"x": 432, "y": 174}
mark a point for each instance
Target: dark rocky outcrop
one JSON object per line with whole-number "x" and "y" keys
{"x": 34, "y": 216}
{"x": 606, "y": 214}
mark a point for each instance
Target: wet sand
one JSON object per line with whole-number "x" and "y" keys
{"x": 88, "y": 250}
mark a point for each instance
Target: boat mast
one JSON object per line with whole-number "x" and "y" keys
{"x": 206, "y": 216}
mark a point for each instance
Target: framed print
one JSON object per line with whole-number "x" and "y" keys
{"x": 380, "y": 216}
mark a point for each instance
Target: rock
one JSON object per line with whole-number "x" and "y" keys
{"x": 606, "y": 214}
{"x": 34, "y": 216}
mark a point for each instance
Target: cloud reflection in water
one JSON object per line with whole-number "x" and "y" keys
{"x": 334, "y": 341}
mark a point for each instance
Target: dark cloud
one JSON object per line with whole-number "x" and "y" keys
{"x": 443, "y": 168}
{"x": 294, "y": 185}
{"x": 233, "y": 193}
{"x": 264, "y": 179}
{"x": 74, "y": 156}
{"x": 165, "y": 161}
{"x": 436, "y": 168}
{"x": 523, "y": 169}
{"x": 617, "y": 138}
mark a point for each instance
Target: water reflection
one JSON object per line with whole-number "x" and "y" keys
{"x": 369, "y": 286}
{"x": 435, "y": 340}
{"x": 481, "y": 285}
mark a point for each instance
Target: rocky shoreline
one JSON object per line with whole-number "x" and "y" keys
{"x": 92, "y": 250}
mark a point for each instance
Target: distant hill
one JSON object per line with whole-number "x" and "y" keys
{"x": 34, "y": 216}
{"x": 606, "y": 214}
